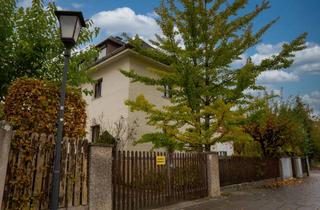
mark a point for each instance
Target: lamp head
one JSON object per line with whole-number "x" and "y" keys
{"x": 71, "y": 23}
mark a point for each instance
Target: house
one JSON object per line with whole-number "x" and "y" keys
{"x": 106, "y": 107}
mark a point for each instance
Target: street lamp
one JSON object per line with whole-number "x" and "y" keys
{"x": 71, "y": 23}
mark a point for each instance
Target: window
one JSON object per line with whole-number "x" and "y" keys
{"x": 167, "y": 91}
{"x": 95, "y": 133}
{"x": 97, "y": 88}
{"x": 102, "y": 53}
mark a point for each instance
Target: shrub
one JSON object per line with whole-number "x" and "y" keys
{"x": 31, "y": 105}
{"x": 106, "y": 138}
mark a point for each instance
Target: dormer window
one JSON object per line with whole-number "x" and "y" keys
{"x": 102, "y": 53}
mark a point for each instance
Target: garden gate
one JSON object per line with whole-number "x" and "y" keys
{"x": 152, "y": 179}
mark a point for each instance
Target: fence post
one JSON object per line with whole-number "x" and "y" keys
{"x": 213, "y": 174}
{"x": 100, "y": 177}
{"x": 285, "y": 168}
{"x": 5, "y": 140}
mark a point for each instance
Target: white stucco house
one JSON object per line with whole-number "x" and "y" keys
{"x": 106, "y": 105}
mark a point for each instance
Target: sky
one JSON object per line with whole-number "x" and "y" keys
{"x": 296, "y": 16}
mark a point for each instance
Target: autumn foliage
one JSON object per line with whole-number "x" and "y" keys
{"x": 31, "y": 105}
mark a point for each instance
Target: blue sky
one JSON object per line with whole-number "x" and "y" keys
{"x": 296, "y": 17}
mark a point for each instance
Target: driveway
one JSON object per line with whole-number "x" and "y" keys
{"x": 305, "y": 195}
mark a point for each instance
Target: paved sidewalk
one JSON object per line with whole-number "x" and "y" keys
{"x": 304, "y": 196}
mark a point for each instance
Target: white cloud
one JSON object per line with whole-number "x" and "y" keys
{"x": 264, "y": 51}
{"x": 60, "y": 8}
{"x": 267, "y": 49}
{"x": 115, "y": 22}
{"x": 274, "y": 76}
{"x": 305, "y": 61}
{"x": 313, "y": 99}
{"x": 76, "y": 5}
{"x": 240, "y": 62}
{"x": 24, "y": 3}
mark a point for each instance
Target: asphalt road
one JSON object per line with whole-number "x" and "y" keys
{"x": 305, "y": 195}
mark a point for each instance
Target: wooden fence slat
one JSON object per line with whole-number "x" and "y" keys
{"x": 77, "y": 174}
{"x": 39, "y": 171}
{"x": 70, "y": 172}
{"x": 19, "y": 176}
{"x": 48, "y": 168}
{"x": 149, "y": 175}
{"x": 84, "y": 184}
{"x": 31, "y": 166}
{"x": 63, "y": 174}
{"x": 127, "y": 176}
{"x": 118, "y": 177}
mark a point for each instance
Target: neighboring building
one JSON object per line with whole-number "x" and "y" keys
{"x": 106, "y": 105}
{"x": 223, "y": 149}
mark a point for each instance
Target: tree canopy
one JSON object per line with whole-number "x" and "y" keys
{"x": 200, "y": 41}
{"x": 30, "y": 45}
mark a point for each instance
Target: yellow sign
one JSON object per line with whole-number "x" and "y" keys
{"x": 160, "y": 160}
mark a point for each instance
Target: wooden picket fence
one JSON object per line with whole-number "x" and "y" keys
{"x": 29, "y": 173}
{"x": 139, "y": 183}
{"x": 236, "y": 170}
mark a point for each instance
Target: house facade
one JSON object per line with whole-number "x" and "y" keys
{"x": 106, "y": 106}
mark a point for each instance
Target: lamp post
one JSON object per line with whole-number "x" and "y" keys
{"x": 70, "y": 26}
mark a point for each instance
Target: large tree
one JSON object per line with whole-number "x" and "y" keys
{"x": 31, "y": 46}
{"x": 200, "y": 40}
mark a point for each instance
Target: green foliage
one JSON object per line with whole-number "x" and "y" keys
{"x": 302, "y": 115}
{"x": 315, "y": 138}
{"x": 35, "y": 48}
{"x": 106, "y": 138}
{"x": 161, "y": 140}
{"x": 280, "y": 128}
{"x": 200, "y": 42}
{"x": 247, "y": 148}
{"x": 1, "y": 111}
{"x": 31, "y": 105}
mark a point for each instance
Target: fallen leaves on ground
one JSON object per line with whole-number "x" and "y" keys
{"x": 286, "y": 182}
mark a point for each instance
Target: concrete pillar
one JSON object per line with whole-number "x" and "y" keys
{"x": 297, "y": 167}
{"x": 285, "y": 168}
{"x": 5, "y": 140}
{"x": 213, "y": 174}
{"x": 100, "y": 177}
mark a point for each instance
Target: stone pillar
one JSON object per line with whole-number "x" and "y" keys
{"x": 5, "y": 140}
{"x": 298, "y": 167}
{"x": 213, "y": 174}
{"x": 285, "y": 168}
{"x": 100, "y": 177}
